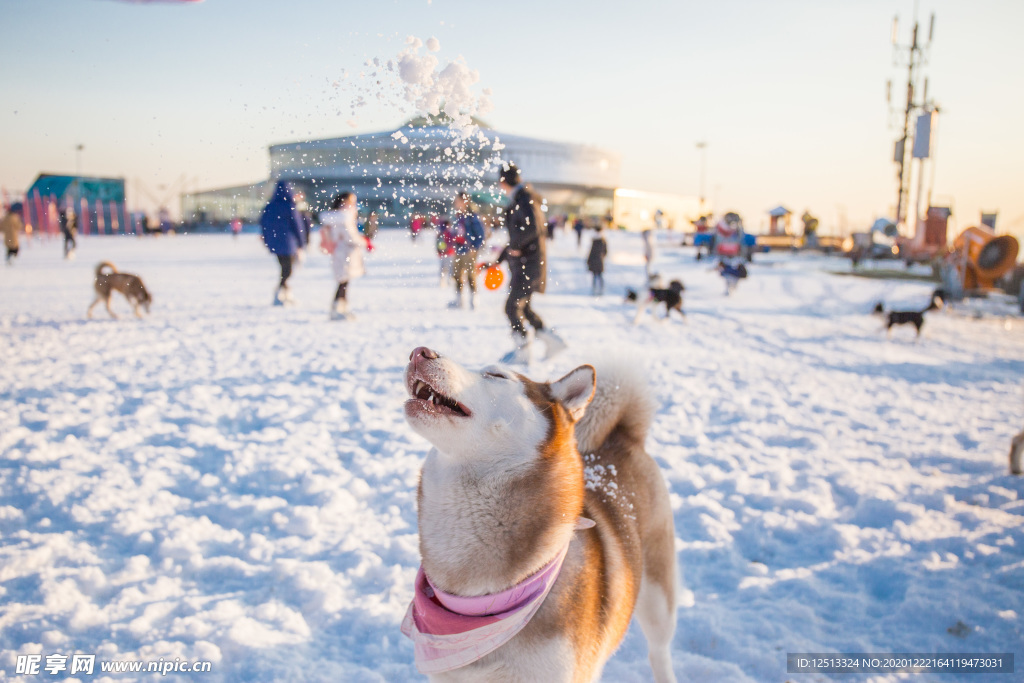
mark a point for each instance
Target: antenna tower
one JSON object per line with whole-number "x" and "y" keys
{"x": 916, "y": 54}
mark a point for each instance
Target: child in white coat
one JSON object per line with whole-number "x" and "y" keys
{"x": 342, "y": 240}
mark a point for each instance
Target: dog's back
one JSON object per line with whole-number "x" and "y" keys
{"x": 101, "y": 282}
{"x": 629, "y": 557}
{"x": 915, "y": 318}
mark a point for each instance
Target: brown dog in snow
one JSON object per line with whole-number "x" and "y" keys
{"x": 109, "y": 279}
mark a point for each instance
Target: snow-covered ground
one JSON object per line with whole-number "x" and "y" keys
{"x": 232, "y": 482}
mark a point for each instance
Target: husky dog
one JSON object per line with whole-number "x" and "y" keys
{"x": 109, "y": 279}
{"x": 533, "y": 555}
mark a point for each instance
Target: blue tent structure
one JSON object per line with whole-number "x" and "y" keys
{"x": 99, "y": 203}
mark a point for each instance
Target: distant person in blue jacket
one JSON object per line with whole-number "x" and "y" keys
{"x": 284, "y": 233}
{"x": 468, "y": 232}
{"x": 733, "y": 273}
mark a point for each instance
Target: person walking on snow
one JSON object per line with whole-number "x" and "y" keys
{"x": 595, "y": 261}
{"x": 649, "y": 237}
{"x": 284, "y": 234}
{"x": 526, "y": 257}
{"x": 468, "y": 232}
{"x": 12, "y": 228}
{"x": 67, "y": 221}
{"x": 578, "y": 225}
{"x": 343, "y": 242}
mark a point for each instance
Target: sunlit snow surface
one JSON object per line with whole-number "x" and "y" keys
{"x": 234, "y": 482}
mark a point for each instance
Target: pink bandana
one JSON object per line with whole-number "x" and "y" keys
{"x": 449, "y": 631}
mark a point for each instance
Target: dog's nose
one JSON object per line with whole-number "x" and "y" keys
{"x": 422, "y": 352}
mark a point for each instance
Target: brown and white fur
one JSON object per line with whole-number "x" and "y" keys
{"x": 109, "y": 279}
{"x": 501, "y": 492}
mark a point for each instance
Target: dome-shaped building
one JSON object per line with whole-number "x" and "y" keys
{"x": 418, "y": 168}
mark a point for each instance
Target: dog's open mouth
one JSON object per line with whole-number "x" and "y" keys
{"x": 441, "y": 403}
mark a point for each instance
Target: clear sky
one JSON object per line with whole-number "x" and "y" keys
{"x": 789, "y": 94}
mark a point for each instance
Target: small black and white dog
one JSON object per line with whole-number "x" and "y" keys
{"x": 915, "y": 318}
{"x": 671, "y": 296}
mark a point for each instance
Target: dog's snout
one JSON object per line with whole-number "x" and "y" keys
{"x": 422, "y": 352}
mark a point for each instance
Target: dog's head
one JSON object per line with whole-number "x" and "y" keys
{"x": 140, "y": 294}
{"x": 879, "y": 309}
{"x": 494, "y": 414}
{"x": 676, "y": 286}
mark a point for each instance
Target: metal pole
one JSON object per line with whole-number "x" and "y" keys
{"x": 903, "y": 162}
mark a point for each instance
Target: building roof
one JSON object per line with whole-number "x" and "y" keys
{"x": 90, "y": 187}
{"x": 422, "y": 129}
{"x": 441, "y": 119}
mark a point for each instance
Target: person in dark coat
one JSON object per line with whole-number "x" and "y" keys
{"x": 526, "y": 255}
{"x": 595, "y": 262}
{"x": 66, "y": 217}
{"x": 12, "y": 227}
{"x": 284, "y": 233}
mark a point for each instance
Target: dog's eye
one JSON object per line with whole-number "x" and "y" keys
{"x": 497, "y": 375}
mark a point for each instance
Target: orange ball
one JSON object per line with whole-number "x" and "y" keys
{"x": 494, "y": 278}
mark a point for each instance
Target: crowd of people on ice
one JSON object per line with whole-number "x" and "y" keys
{"x": 459, "y": 240}
{"x": 286, "y": 227}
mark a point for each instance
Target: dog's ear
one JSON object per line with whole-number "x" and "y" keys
{"x": 575, "y": 390}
